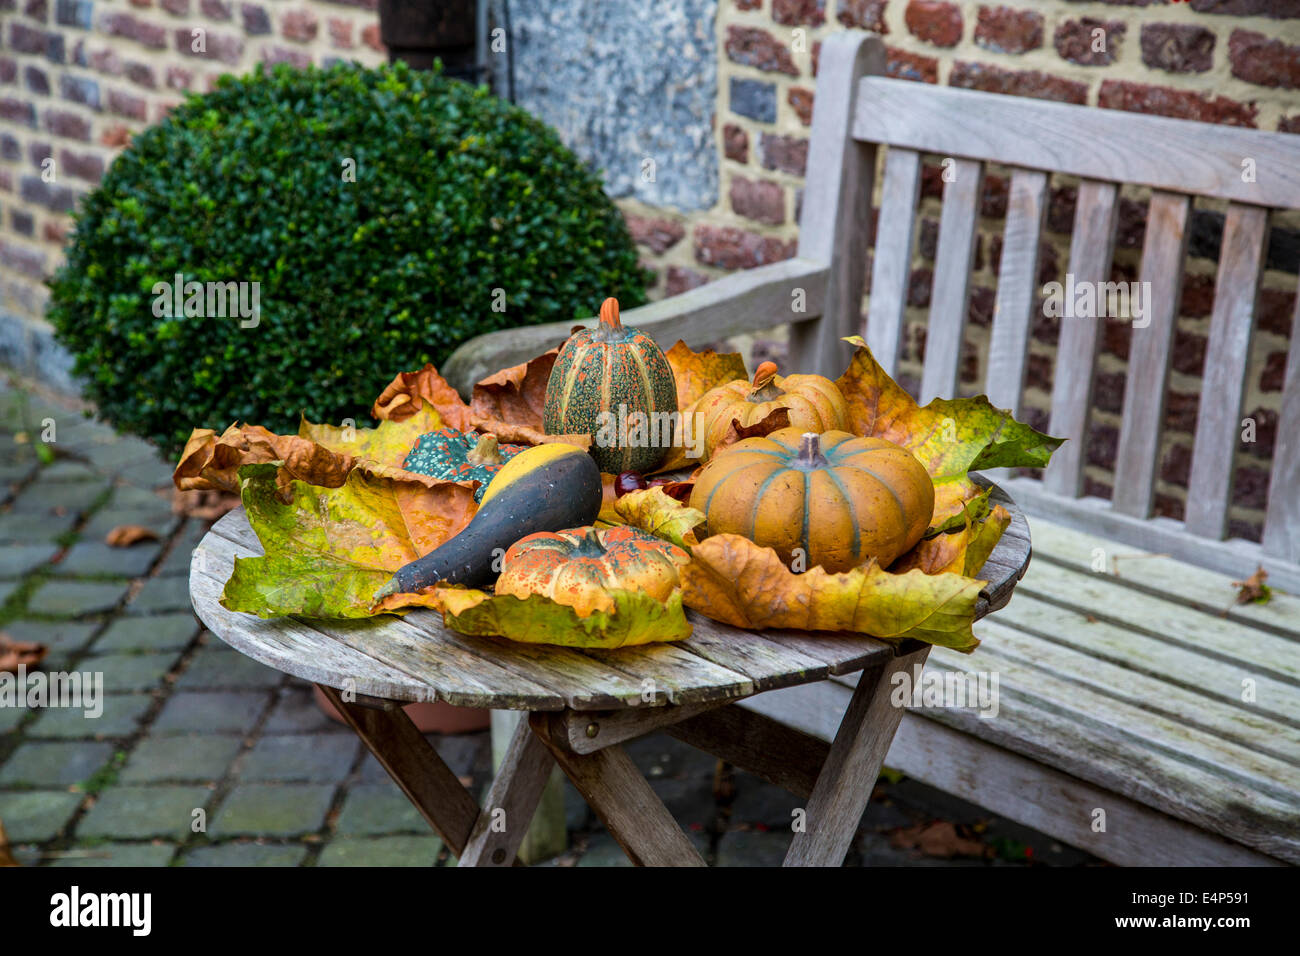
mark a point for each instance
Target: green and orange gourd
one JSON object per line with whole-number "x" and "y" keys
{"x": 613, "y": 383}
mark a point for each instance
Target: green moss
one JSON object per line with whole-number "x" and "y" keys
{"x": 456, "y": 194}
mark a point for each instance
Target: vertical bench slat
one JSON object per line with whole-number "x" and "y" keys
{"x": 1223, "y": 388}
{"x": 1282, "y": 521}
{"x": 1150, "y": 351}
{"x": 1017, "y": 289}
{"x": 892, "y": 263}
{"x": 1092, "y": 245}
{"x": 837, "y": 204}
{"x": 952, "y": 266}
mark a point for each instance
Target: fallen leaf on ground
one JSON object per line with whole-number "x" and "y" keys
{"x": 939, "y": 839}
{"x": 6, "y": 857}
{"x": 125, "y": 535}
{"x": 15, "y": 654}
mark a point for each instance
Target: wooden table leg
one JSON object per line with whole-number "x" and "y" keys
{"x": 611, "y": 784}
{"x": 847, "y": 778}
{"x": 511, "y": 802}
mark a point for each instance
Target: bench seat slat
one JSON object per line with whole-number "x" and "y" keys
{"x": 1150, "y": 348}
{"x": 1223, "y": 387}
{"x": 1017, "y": 295}
{"x": 1092, "y": 247}
{"x": 891, "y": 266}
{"x": 950, "y": 297}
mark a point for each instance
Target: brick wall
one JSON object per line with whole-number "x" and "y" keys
{"x": 78, "y": 77}
{"x": 1235, "y": 62}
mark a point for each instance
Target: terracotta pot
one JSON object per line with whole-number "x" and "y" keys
{"x": 434, "y": 718}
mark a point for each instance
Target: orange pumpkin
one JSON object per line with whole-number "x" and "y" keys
{"x": 579, "y": 566}
{"x": 814, "y": 403}
{"x": 839, "y": 498}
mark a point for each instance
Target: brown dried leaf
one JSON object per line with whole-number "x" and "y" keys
{"x": 411, "y": 391}
{"x": 203, "y": 505}
{"x": 6, "y": 857}
{"x": 517, "y": 434}
{"x": 697, "y": 372}
{"x": 15, "y": 654}
{"x": 939, "y": 839}
{"x": 1253, "y": 589}
{"x": 211, "y": 463}
{"x": 516, "y": 395}
{"x": 125, "y": 535}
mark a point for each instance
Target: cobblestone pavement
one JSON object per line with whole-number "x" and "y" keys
{"x": 203, "y": 757}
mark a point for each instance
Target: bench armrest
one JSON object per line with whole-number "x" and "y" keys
{"x": 741, "y": 302}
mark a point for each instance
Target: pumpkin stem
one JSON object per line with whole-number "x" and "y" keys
{"x": 485, "y": 452}
{"x": 591, "y": 545}
{"x": 810, "y": 452}
{"x": 765, "y": 389}
{"x": 609, "y": 328}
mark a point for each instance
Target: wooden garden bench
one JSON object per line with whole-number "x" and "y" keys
{"x": 1139, "y": 719}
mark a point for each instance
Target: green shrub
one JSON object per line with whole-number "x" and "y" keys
{"x": 456, "y": 194}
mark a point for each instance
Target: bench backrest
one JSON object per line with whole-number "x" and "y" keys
{"x": 859, "y": 111}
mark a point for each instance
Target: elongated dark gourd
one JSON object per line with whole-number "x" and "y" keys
{"x": 546, "y": 488}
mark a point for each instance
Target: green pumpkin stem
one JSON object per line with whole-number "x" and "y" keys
{"x": 610, "y": 328}
{"x": 485, "y": 452}
{"x": 765, "y": 388}
{"x": 591, "y": 545}
{"x": 810, "y": 452}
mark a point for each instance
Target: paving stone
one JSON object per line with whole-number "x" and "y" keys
{"x": 382, "y": 851}
{"x": 690, "y": 801}
{"x": 106, "y": 519}
{"x": 162, "y": 594}
{"x": 34, "y": 816}
{"x": 227, "y": 712}
{"x": 375, "y": 808}
{"x": 148, "y": 473}
{"x": 131, "y": 498}
{"x": 17, "y": 559}
{"x": 759, "y": 803}
{"x": 296, "y": 712}
{"x": 603, "y": 851}
{"x": 245, "y": 854}
{"x": 29, "y": 528}
{"x": 15, "y": 472}
{"x": 156, "y": 632}
{"x": 54, "y": 764}
{"x": 7, "y": 588}
{"x": 220, "y": 667}
{"x": 70, "y": 496}
{"x": 75, "y": 598}
{"x": 753, "y": 848}
{"x": 120, "y": 717}
{"x": 130, "y": 671}
{"x": 266, "y": 810}
{"x": 117, "y": 456}
{"x": 144, "y": 812}
{"x": 202, "y": 757}
{"x": 303, "y": 757}
{"x": 65, "y": 470}
{"x": 659, "y": 756}
{"x": 11, "y": 717}
{"x": 117, "y": 854}
{"x": 94, "y": 558}
{"x": 63, "y": 638}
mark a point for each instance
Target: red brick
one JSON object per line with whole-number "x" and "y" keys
{"x": 864, "y": 14}
{"x": 993, "y": 201}
{"x": 919, "y": 284}
{"x": 934, "y": 21}
{"x": 55, "y": 232}
{"x": 1279, "y": 9}
{"x": 370, "y": 37}
{"x": 795, "y": 12}
{"x": 727, "y": 247}
{"x": 735, "y": 143}
{"x": 905, "y": 65}
{"x": 300, "y": 26}
{"x": 758, "y": 200}
{"x": 1074, "y": 40}
{"x": 789, "y": 154}
{"x": 1289, "y": 124}
{"x": 115, "y": 136}
{"x": 1181, "y": 104}
{"x": 801, "y": 101}
{"x": 8, "y": 70}
{"x": 1177, "y": 47}
{"x": 179, "y": 79}
{"x": 1176, "y": 464}
{"x": 67, "y": 125}
{"x": 340, "y": 33}
{"x": 37, "y": 10}
{"x": 141, "y": 74}
{"x": 1257, "y": 59}
{"x": 280, "y": 54}
{"x": 1197, "y": 299}
{"x": 678, "y": 279}
{"x": 177, "y": 8}
{"x": 215, "y": 9}
{"x": 992, "y": 79}
{"x": 659, "y": 235}
{"x": 1008, "y": 30}
{"x": 85, "y": 166}
{"x": 1270, "y": 380}
{"x": 1250, "y": 487}
{"x": 219, "y": 46}
{"x": 1188, "y": 352}
{"x": 28, "y": 262}
{"x": 125, "y": 25}
{"x": 17, "y": 110}
{"x": 1275, "y": 310}
{"x": 1180, "y": 411}
{"x": 750, "y": 46}
{"x": 124, "y": 104}
{"x": 748, "y": 4}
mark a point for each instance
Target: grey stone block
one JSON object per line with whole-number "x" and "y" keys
{"x": 202, "y": 758}
{"x": 227, "y": 712}
{"x": 62, "y": 598}
{"x": 38, "y": 764}
{"x": 36, "y": 816}
{"x": 376, "y": 808}
{"x": 263, "y": 810}
{"x": 156, "y": 632}
{"x": 311, "y": 758}
{"x": 96, "y": 559}
{"x": 382, "y": 851}
{"x": 245, "y": 854}
{"x": 115, "y": 855}
{"x": 139, "y": 812}
{"x": 120, "y": 717}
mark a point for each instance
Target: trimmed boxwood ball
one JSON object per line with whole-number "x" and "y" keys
{"x": 386, "y": 214}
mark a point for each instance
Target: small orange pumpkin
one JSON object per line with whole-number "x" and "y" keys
{"x": 579, "y": 566}
{"x": 815, "y": 404}
{"x": 839, "y": 498}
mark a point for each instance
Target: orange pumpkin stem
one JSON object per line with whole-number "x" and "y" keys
{"x": 810, "y": 452}
{"x": 485, "y": 452}
{"x": 765, "y": 389}
{"x": 609, "y": 313}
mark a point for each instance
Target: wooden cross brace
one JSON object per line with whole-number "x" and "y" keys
{"x": 835, "y": 779}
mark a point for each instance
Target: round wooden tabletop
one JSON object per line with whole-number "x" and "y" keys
{"x": 416, "y": 658}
